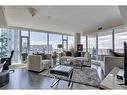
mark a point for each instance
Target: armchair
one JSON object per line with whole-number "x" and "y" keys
{"x": 110, "y": 62}
{"x": 4, "y": 74}
{"x": 37, "y": 64}
{"x": 8, "y": 61}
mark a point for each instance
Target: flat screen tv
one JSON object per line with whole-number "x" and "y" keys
{"x": 125, "y": 63}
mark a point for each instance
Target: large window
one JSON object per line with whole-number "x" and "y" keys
{"x": 38, "y": 42}
{"x": 54, "y": 41}
{"x": 15, "y": 45}
{"x": 104, "y": 42}
{"x": 120, "y": 37}
{"x": 92, "y": 46}
{"x": 5, "y": 39}
{"x": 83, "y": 41}
{"x": 70, "y": 42}
{"x": 24, "y": 33}
{"x": 9, "y": 40}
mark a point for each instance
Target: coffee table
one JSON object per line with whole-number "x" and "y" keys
{"x": 62, "y": 70}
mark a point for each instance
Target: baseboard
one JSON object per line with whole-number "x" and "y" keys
{"x": 36, "y": 71}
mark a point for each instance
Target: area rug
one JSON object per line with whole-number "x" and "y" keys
{"x": 87, "y": 76}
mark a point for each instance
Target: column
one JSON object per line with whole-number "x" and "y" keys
{"x": 77, "y": 40}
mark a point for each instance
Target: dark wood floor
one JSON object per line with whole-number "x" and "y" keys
{"x": 23, "y": 79}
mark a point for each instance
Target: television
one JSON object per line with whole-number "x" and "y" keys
{"x": 125, "y": 63}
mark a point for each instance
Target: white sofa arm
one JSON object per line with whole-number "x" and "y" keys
{"x": 110, "y": 62}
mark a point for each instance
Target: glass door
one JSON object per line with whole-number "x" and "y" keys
{"x": 24, "y": 49}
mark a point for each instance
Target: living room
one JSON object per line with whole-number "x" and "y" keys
{"x": 61, "y": 47}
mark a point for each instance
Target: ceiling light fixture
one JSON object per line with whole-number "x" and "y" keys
{"x": 32, "y": 11}
{"x": 99, "y": 28}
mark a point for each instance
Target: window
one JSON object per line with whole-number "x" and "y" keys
{"x": 9, "y": 40}
{"x": 4, "y": 42}
{"x": 54, "y": 40}
{"x": 70, "y": 42}
{"x": 24, "y": 33}
{"x": 83, "y": 41}
{"x": 120, "y": 37}
{"x": 38, "y": 42}
{"x": 104, "y": 42}
{"x": 92, "y": 46}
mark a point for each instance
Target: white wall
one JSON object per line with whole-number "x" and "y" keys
{"x": 77, "y": 39}
{"x": 2, "y": 18}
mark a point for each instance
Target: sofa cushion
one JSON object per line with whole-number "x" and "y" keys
{"x": 83, "y": 54}
{"x": 43, "y": 56}
{"x": 86, "y": 55}
{"x": 82, "y": 58}
{"x": 46, "y": 62}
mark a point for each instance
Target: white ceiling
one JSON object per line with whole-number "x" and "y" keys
{"x": 64, "y": 19}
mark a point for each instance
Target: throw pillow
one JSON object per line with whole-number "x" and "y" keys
{"x": 43, "y": 56}
{"x": 86, "y": 55}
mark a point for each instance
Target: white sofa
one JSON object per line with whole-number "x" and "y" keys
{"x": 86, "y": 59}
{"x": 35, "y": 62}
{"x": 110, "y": 62}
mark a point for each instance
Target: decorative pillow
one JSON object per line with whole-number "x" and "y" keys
{"x": 86, "y": 55}
{"x": 68, "y": 53}
{"x": 83, "y": 54}
{"x": 63, "y": 54}
{"x": 43, "y": 56}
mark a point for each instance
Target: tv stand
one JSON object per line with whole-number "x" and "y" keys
{"x": 111, "y": 81}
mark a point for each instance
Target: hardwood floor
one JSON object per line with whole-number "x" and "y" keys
{"x": 23, "y": 79}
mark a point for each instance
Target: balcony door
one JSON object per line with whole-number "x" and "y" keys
{"x": 24, "y": 49}
{"x": 24, "y": 45}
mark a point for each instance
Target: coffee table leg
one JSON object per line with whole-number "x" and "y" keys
{"x": 70, "y": 81}
{"x": 55, "y": 81}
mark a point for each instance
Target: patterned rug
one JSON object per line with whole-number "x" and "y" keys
{"x": 87, "y": 76}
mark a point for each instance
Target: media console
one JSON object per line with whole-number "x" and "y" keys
{"x": 112, "y": 80}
